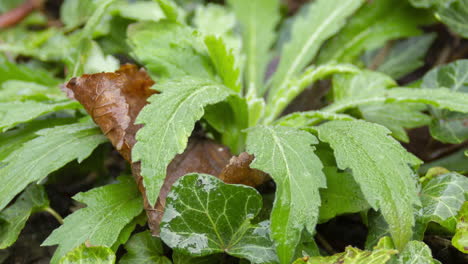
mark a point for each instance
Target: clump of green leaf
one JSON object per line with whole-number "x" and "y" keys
{"x": 212, "y": 66}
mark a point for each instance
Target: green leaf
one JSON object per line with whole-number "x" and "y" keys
{"x": 205, "y": 216}
{"x": 13, "y": 113}
{"x": 13, "y": 71}
{"x": 380, "y": 255}
{"x": 218, "y": 20}
{"x": 224, "y": 62}
{"x": 342, "y": 195}
{"x": 448, "y": 126}
{"x": 379, "y": 165}
{"x": 89, "y": 255}
{"x": 14, "y": 217}
{"x": 258, "y": 20}
{"x": 415, "y": 252}
{"x": 283, "y": 97}
{"x": 454, "y": 14}
{"x": 456, "y": 161}
{"x": 169, "y": 120}
{"x": 372, "y": 26}
{"x": 109, "y": 209}
{"x": 440, "y": 98}
{"x": 74, "y": 13}
{"x": 377, "y": 228}
{"x": 288, "y": 156}
{"x": 442, "y": 197}
{"x": 15, "y": 138}
{"x": 169, "y": 50}
{"x": 460, "y": 239}
{"x": 309, "y": 118}
{"x": 179, "y": 258}
{"x": 97, "y": 62}
{"x": 51, "y": 150}
{"x": 143, "y": 248}
{"x": 229, "y": 118}
{"x": 403, "y": 57}
{"x": 14, "y": 90}
{"x": 396, "y": 116}
{"x": 322, "y": 19}
{"x": 139, "y": 11}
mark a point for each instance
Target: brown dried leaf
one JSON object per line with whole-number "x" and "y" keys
{"x": 114, "y": 99}
{"x": 238, "y": 171}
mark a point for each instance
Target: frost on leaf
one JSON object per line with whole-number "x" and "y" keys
{"x": 114, "y": 99}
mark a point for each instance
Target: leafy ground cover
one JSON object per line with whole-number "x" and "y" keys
{"x": 238, "y": 131}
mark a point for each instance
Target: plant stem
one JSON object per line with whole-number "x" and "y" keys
{"x": 322, "y": 241}
{"x": 54, "y": 214}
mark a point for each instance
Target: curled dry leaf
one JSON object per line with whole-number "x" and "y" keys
{"x": 114, "y": 100}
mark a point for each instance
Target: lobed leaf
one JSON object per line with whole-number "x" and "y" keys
{"x": 143, "y": 248}
{"x": 448, "y": 126}
{"x": 205, "y": 216}
{"x": 288, "y": 156}
{"x": 416, "y": 252}
{"x": 380, "y": 166}
{"x": 169, "y": 120}
{"x": 109, "y": 209}
{"x": 442, "y": 197}
{"x": 51, "y": 150}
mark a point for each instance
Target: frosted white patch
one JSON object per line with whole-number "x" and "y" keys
{"x": 208, "y": 183}
{"x": 195, "y": 243}
{"x": 170, "y": 238}
{"x": 170, "y": 213}
{"x": 173, "y": 195}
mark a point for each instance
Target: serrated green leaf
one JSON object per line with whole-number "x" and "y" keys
{"x": 15, "y": 138}
{"x": 288, "y": 156}
{"x": 13, "y": 113}
{"x": 283, "y": 97}
{"x": 404, "y": 56}
{"x": 169, "y": 120}
{"x": 51, "y": 150}
{"x": 89, "y": 255}
{"x": 381, "y": 254}
{"x": 415, "y": 252}
{"x": 460, "y": 239}
{"x": 224, "y": 62}
{"x": 97, "y": 62}
{"x": 109, "y": 209}
{"x": 321, "y": 21}
{"x": 440, "y": 98}
{"x": 14, "y": 90}
{"x": 143, "y": 248}
{"x": 448, "y": 126}
{"x": 169, "y": 50}
{"x": 380, "y": 166}
{"x": 218, "y": 20}
{"x": 205, "y": 216}
{"x": 442, "y": 197}
{"x": 372, "y": 26}
{"x": 396, "y": 116}
{"x": 342, "y": 195}
{"x": 258, "y": 20}
{"x": 140, "y": 11}
{"x": 12, "y": 71}
{"x": 309, "y": 118}
{"x": 14, "y": 217}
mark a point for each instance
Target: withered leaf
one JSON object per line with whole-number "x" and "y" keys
{"x": 114, "y": 99}
{"x": 238, "y": 171}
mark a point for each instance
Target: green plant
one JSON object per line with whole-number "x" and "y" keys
{"x": 343, "y": 158}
